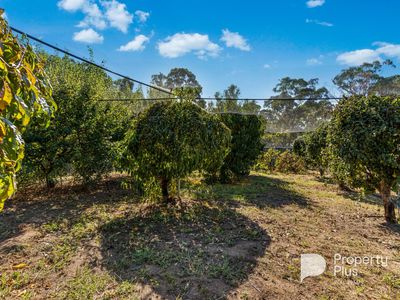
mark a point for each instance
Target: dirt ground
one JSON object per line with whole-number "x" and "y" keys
{"x": 241, "y": 241}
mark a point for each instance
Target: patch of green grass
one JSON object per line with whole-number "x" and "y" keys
{"x": 90, "y": 285}
{"x": 61, "y": 254}
{"x": 85, "y": 285}
{"x": 392, "y": 280}
{"x": 10, "y": 282}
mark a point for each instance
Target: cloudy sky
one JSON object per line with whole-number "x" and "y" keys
{"x": 248, "y": 43}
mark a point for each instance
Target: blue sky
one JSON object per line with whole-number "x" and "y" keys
{"x": 248, "y": 43}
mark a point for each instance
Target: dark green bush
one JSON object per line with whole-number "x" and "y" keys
{"x": 169, "y": 141}
{"x": 278, "y": 161}
{"x": 288, "y": 162}
{"x": 312, "y": 148}
{"x": 267, "y": 161}
{"x": 246, "y": 146}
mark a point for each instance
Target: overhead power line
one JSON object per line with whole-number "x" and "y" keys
{"x": 222, "y": 99}
{"x": 90, "y": 62}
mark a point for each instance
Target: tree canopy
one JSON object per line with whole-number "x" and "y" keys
{"x": 171, "y": 140}
{"x": 362, "y": 80}
{"x": 363, "y": 140}
{"x": 25, "y": 92}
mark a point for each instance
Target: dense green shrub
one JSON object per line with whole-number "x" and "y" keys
{"x": 312, "y": 148}
{"x": 288, "y": 162}
{"x": 363, "y": 143}
{"x": 81, "y": 140}
{"x": 267, "y": 161}
{"x": 171, "y": 140}
{"x": 300, "y": 147}
{"x": 278, "y": 161}
{"x": 246, "y": 145}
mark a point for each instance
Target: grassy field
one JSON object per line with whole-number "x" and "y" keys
{"x": 240, "y": 241}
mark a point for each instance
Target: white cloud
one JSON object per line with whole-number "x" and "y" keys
{"x": 267, "y": 66}
{"x": 322, "y": 23}
{"x": 183, "y": 43}
{"x": 110, "y": 13}
{"x": 142, "y": 15}
{"x": 71, "y": 5}
{"x": 314, "y": 61}
{"x": 88, "y": 36}
{"x": 315, "y": 3}
{"x": 358, "y": 57}
{"x": 137, "y": 44}
{"x": 235, "y": 40}
{"x": 117, "y": 14}
{"x": 390, "y": 50}
{"x": 94, "y": 17}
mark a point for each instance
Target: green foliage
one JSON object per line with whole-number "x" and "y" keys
{"x": 282, "y": 162}
{"x": 181, "y": 81}
{"x": 288, "y": 162}
{"x": 364, "y": 139}
{"x": 83, "y": 137}
{"x": 24, "y": 92}
{"x": 292, "y": 116}
{"x": 280, "y": 139}
{"x": 246, "y": 146}
{"x": 300, "y": 146}
{"x": 171, "y": 140}
{"x": 312, "y": 147}
{"x": 267, "y": 161}
{"x": 362, "y": 80}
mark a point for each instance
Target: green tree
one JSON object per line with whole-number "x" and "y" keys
{"x": 81, "y": 140}
{"x": 293, "y": 115}
{"x": 361, "y": 80}
{"x": 364, "y": 144}
{"x": 25, "y": 92}
{"x": 171, "y": 140}
{"x": 227, "y": 101}
{"x": 312, "y": 147}
{"x": 182, "y": 82}
{"x": 246, "y": 145}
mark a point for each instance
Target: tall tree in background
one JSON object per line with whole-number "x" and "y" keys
{"x": 292, "y": 115}
{"x": 181, "y": 81}
{"x": 227, "y": 101}
{"x": 363, "y": 80}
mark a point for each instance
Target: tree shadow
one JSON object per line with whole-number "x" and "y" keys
{"x": 37, "y": 206}
{"x": 261, "y": 191}
{"x": 201, "y": 251}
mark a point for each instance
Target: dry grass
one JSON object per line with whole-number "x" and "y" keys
{"x": 238, "y": 241}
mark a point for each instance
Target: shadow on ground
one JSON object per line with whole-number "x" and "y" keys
{"x": 36, "y": 207}
{"x": 201, "y": 251}
{"x": 261, "y": 191}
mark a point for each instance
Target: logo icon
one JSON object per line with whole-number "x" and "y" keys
{"x": 312, "y": 265}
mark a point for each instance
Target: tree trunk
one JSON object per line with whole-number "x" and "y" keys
{"x": 50, "y": 183}
{"x": 390, "y": 212}
{"x": 321, "y": 172}
{"x": 164, "y": 189}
